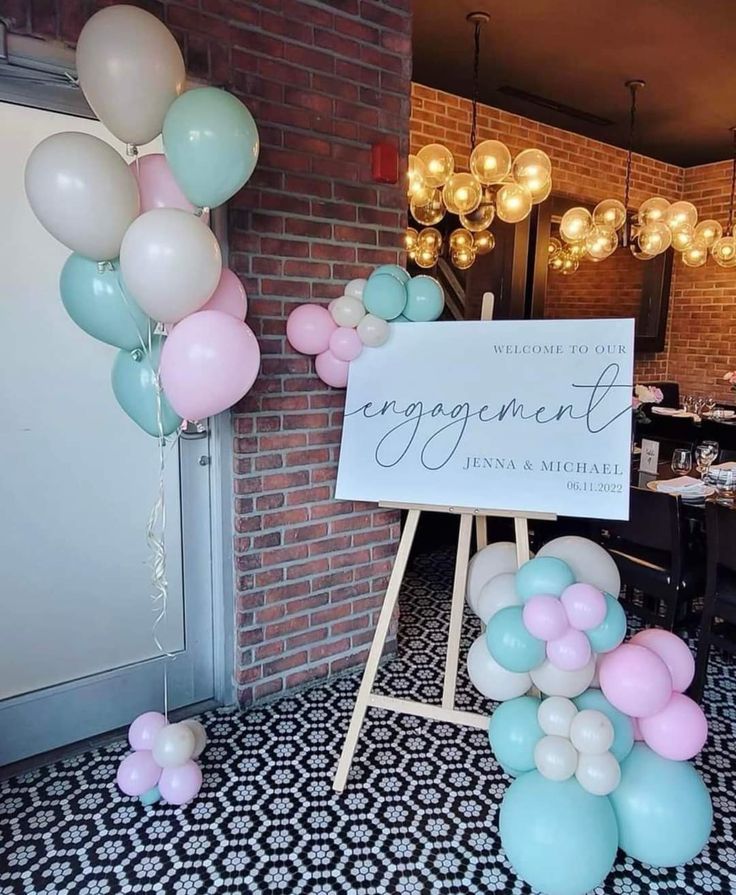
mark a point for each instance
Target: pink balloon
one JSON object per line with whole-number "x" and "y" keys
{"x": 673, "y": 651}
{"x": 570, "y": 652}
{"x": 635, "y": 680}
{"x": 208, "y": 363}
{"x": 180, "y": 785}
{"x": 679, "y": 731}
{"x": 544, "y": 617}
{"x": 229, "y": 297}
{"x": 138, "y": 773}
{"x": 585, "y": 606}
{"x": 345, "y": 343}
{"x": 143, "y": 730}
{"x": 156, "y": 185}
{"x": 331, "y": 370}
{"x": 309, "y": 328}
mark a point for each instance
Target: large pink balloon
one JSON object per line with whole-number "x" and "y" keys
{"x": 229, "y": 297}
{"x": 142, "y": 732}
{"x": 331, "y": 370}
{"x": 138, "y": 773}
{"x": 309, "y": 328}
{"x": 635, "y": 680}
{"x": 156, "y": 185}
{"x": 570, "y": 652}
{"x": 180, "y": 785}
{"x": 678, "y": 732}
{"x": 208, "y": 363}
{"x": 673, "y": 651}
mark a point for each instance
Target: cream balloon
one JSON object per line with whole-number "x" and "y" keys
{"x": 170, "y": 263}
{"x": 373, "y": 331}
{"x": 82, "y": 192}
{"x": 173, "y": 746}
{"x": 130, "y": 70}
{"x": 354, "y": 289}
{"x": 591, "y": 732}
{"x": 488, "y": 677}
{"x": 589, "y": 562}
{"x": 347, "y": 311}
{"x": 598, "y": 774}
{"x": 497, "y": 594}
{"x": 555, "y": 715}
{"x": 486, "y": 564}
{"x": 200, "y": 735}
{"x": 555, "y": 758}
{"x": 553, "y": 681}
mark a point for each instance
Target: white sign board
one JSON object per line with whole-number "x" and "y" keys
{"x": 508, "y": 415}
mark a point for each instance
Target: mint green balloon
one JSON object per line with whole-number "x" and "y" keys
{"x": 623, "y": 729}
{"x": 211, "y": 145}
{"x": 612, "y": 630}
{"x": 663, "y": 809}
{"x": 513, "y": 733}
{"x": 543, "y": 575}
{"x": 425, "y": 299}
{"x": 401, "y": 319}
{"x": 134, "y": 386}
{"x": 558, "y": 838}
{"x": 394, "y": 270}
{"x": 511, "y": 645}
{"x": 95, "y": 301}
{"x": 384, "y": 296}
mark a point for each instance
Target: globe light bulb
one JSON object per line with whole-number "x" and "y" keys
{"x": 554, "y": 245}
{"x": 483, "y": 242}
{"x": 557, "y": 262}
{"x": 417, "y": 188}
{"x": 481, "y": 218}
{"x": 490, "y": 161}
{"x": 540, "y": 194}
{"x": 410, "y": 239}
{"x": 610, "y": 213}
{"x": 460, "y": 239}
{"x": 463, "y": 258}
{"x": 653, "y": 210}
{"x": 696, "y": 254}
{"x": 513, "y": 203}
{"x": 575, "y": 224}
{"x": 682, "y": 237}
{"x": 431, "y": 213}
{"x": 709, "y": 231}
{"x": 425, "y": 257}
{"x": 637, "y": 252}
{"x": 439, "y": 164}
{"x": 577, "y": 250}
{"x": 654, "y": 238}
{"x": 680, "y": 214}
{"x": 430, "y": 238}
{"x": 569, "y": 265}
{"x": 532, "y": 168}
{"x": 601, "y": 242}
{"x": 462, "y": 194}
{"x": 723, "y": 251}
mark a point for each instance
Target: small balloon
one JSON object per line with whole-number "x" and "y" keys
{"x": 309, "y": 329}
{"x": 347, "y": 311}
{"x": 511, "y": 645}
{"x": 496, "y": 594}
{"x": 173, "y": 745}
{"x": 138, "y": 773}
{"x": 331, "y": 370}
{"x": 143, "y": 730}
{"x": 492, "y": 560}
{"x": 384, "y": 296}
{"x": 180, "y": 785}
{"x": 200, "y": 735}
{"x": 678, "y": 732}
{"x": 514, "y": 732}
{"x": 543, "y": 575}
{"x": 556, "y": 714}
{"x": 635, "y": 680}
{"x": 591, "y": 732}
{"x": 228, "y": 297}
{"x": 623, "y": 726}
{"x": 544, "y": 617}
{"x": 425, "y": 299}
{"x": 553, "y": 681}
{"x": 611, "y": 631}
{"x": 673, "y": 651}
{"x": 555, "y": 757}
{"x": 345, "y": 343}
{"x": 598, "y": 774}
{"x": 571, "y": 651}
{"x": 585, "y": 606}
{"x": 489, "y": 678}
{"x": 354, "y": 289}
{"x": 373, "y": 331}
{"x": 150, "y": 797}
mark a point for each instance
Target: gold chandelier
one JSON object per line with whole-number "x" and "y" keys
{"x": 496, "y": 185}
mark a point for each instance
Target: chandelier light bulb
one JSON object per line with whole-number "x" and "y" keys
{"x": 481, "y": 218}
{"x": 575, "y": 224}
{"x": 439, "y": 164}
{"x": 569, "y": 265}
{"x": 696, "y": 254}
{"x": 417, "y": 188}
{"x": 610, "y": 213}
{"x": 553, "y": 246}
{"x": 681, "y": 214}
{"x": 513, "y": 203}
{"x": 483, "y": 242}
{"x": 490, "y": 161}
{"x": 431, "y": 213}
{"x": 653, "y": 210}
{"x": 463, "y": 258}
{"x": 577, "y": 250}
{"x": 682, "y": 237}
{"x": 426, "y": 257}
{"x": 601, "y": 242}
{"x": 556, "y": 262}
{"x": 430, "y": 238}
{"x": 532, "y": 168}
{"x": 637, "y": 252}
{"x": 709, "y": 231}
{"x": 654, "y": 238}
{"x": 540, "y": 194}
{"x": 724, "y": 251}
{"x": 410, "y": 239}
{"x": 460, "y": 239}
{"x": 462, "y": 194}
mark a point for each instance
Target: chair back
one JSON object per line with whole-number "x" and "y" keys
{"x": 654, "y": 522}
{"x": 720, "y": 529}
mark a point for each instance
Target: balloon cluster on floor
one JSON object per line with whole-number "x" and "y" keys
{"x": 163, "y": 762}
{"x": 144, "y": 256}
{"x": 360, "y": 318}
{"x": 601, "y": 757}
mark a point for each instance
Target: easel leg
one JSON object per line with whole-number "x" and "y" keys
{"x": 481, "y": 532}
{"x": 521, "y": 532}
{"x": 456, "y": 614}
{"x": 374, "y": 656}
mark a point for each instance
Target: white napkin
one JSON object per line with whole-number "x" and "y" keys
{"x": 684, "y": 485}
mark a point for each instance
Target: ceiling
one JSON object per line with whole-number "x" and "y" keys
{"x": 579, "y": 55}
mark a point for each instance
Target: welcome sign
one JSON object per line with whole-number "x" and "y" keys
{"x": 515, "y": 415}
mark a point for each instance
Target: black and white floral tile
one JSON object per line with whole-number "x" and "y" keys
{"x": 419, "y": 814}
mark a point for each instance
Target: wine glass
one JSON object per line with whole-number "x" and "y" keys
{"x": 687, "y": 402}
{"x": 725, "y": 484}
{"x": 706, "y": 454}
{"x": 682, "y": 461}
{"x": 710, "y": 404}
{"x": 698, "y": 404}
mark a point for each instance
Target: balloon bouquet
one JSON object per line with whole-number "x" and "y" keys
{"x": 144, "y": 260}
{"x": 360, "y": 318}
{"x": 601, "y": 757}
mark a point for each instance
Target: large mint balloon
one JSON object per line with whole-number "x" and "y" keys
{"x": 134, "y": 385}
{"x": 211, "y": 145}
{"x": 663, "y": 809}
{"x": 511, "y": 645}
{"x": 514, "y": 732}
{"x": 558, "y": 838}
{"x": 394, "y": 270}
{"x": 384, "y": 296}
{"x": 623, "y": 728}
{"x": 95, "y": 301}
{"x": 425, "y": 299}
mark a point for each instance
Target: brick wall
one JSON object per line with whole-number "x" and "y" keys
{"x": 324, "y": 80}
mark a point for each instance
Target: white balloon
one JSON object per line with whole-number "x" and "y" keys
{"x": 173, "y": 746}
{"x": 131, "y": 70}
{"x": 555, "y": 758}
{"x": 591, "y": 732}
{"x": 490, "y": 678}
{"x": 590, "y": 563}
{"x": 486, "y": 564}
{"x": 82, "y": 192}
{"x": 598, "y": 774}
{"x": 373, "y": 331}
{"x": 170, "y": 263}
{"x": 555, "y": 715}
{"x": 200, "y": 735}
{"x": 497, "y": 594}
{"x": 347, "y": 311}
{"x": 354, "y": 289}
{"x": 553, "y": 681}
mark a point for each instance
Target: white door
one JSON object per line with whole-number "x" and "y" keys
{"x": 77, "y": 482}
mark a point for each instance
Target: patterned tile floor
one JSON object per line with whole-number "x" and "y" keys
{"x": 418, "y": 816}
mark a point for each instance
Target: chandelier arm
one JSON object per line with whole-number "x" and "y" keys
{"x": 733, "y": 181}
{"x": 633, "y": 87}
{"x": 476, "y": 85}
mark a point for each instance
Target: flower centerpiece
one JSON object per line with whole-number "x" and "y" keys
{"x": 646, "y": 394}
{"x": 730, "y": 378}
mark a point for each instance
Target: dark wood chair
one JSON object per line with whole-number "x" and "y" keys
{"x": 718, "y": 623}
{"x": 659, "y": 578}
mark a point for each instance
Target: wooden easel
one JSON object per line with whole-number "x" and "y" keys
{"x": 446, "y": 711}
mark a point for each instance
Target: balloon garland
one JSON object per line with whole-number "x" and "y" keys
{"x": 146, "y": 277}
{"x": 598, "y": 765}
{"x": 360, "y": 318}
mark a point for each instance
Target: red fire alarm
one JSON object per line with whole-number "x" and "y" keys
{"x": 385, "y": 163}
